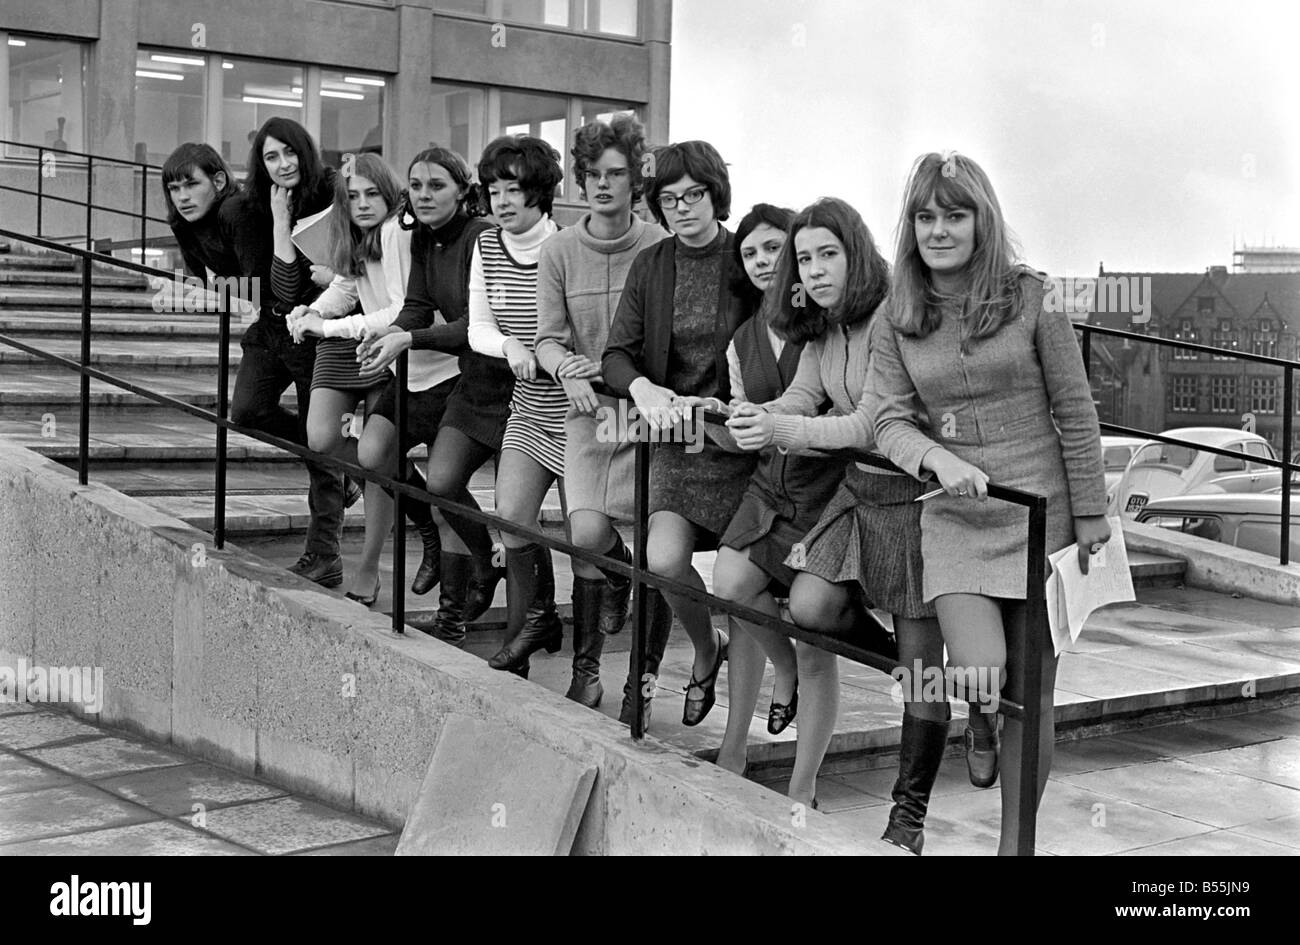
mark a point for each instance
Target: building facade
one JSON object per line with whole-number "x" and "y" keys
{"x": 1159, "y": 388}
{"x": 132, "y": 79}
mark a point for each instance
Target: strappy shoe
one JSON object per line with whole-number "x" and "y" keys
{"x": 694, "y": 710}
{"x": 780, "y": 715}
{"x": 365, "y": 601}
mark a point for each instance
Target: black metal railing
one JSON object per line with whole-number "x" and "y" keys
{"x": 1285, "y": 464}
{"x": 89, "y": 161}
{"x": 1030, "y": 653}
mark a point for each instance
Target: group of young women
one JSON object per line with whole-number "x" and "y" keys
{"x": 523, "y": 334}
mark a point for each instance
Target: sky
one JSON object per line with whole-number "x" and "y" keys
{"x": 1143, "y": 134}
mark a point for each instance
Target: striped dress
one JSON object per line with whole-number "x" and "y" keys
{"x": 503, "y": 305}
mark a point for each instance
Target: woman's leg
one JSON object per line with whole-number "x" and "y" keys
{"x": 821, "y": 604}
{"x": 1016, "y": 612}
{"x": 325, "y": 418}
{"x": 738, "y": 579}
{"x": 591, "y": 530}
{"x": 977, "y": 657}
{"x": 453, "y": 460}
{"x": 669, "y": 545}
{"x": 531, "y": 619}
{"x": 379, "y": 514}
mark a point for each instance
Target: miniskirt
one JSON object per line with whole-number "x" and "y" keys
{"x": 705, "y": 488}
{"x": 599, "y": 467}
{"x": 337, "y": 368}
{"x": 480, "y": 404}
{"x": 870, "y": 533}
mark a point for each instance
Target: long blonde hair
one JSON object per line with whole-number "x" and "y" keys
{"x": 992, "y": 295}
{"x": 350, "y": 246}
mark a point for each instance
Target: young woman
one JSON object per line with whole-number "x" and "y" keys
{"x": 580, "y": 280}
{"x": 668, "y": 348}
{"x": 781, "y": 503}
{"x": 286, "y": 182}
{"x": 196, "y": 182}
{"x": 372, "y": 256}
{"x": 463, "y": 421}
{"x": 865, "y": 549}
{"x": 520, "y": 173}
{"x": 1005, "y": 398}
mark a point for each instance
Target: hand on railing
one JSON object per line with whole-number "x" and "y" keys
{"x": 751, "y": 426}
{"x": 959, "y": 478}
{"x": 523, "y": 363}
{"x": 655, "y": 404}
{"x": 578, "y": 366}
{"x": 380, "y": 348}
{"x": 304, "y": 322}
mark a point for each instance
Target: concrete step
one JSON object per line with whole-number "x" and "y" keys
{"x": 1151, "y": 570}
{"x": 24, "y": 323}
{"x": 135, "y": 440}
{"x": 43, "y": 262}
{"x": 44, "y": 297}
{"x": 159, "y": 354}
{"x": 32, "y": 276}
{"x": 30, "y": 393}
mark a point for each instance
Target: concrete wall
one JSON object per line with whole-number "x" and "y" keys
{"x": 242, "y": 663}
{"x": 1219, "y": 567}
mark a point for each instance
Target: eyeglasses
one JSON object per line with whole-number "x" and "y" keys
{"x": 693, "y": 196}
{"x": 613, "y": 175}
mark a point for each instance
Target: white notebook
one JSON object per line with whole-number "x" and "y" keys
{"x": 1072, "y": 595}
{"x": 311, "y": 236}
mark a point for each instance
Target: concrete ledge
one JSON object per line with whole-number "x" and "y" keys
{"x": 247, "y": 665}
{"x": 1219, "y": 567}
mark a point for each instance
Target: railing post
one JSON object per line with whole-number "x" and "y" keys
{"x": 1031, "y": 674}
{"x": 83, "y": 432}
{"x": 223, "y": 385}
{"x": 40, "y": 186}
{"x": 1288, "y": 444}
{"x": 144, "y": 209}
{"x": 90, "y": 173}
{"x": 399, "y": 514}
{"x": 641, "y": 612}
{"x": 1087, "y": 351}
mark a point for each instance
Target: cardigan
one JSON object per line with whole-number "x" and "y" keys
{"x": 641, "y": 334}
{"x": 580, "y": 281}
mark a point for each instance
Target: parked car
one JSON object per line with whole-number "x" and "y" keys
{"x": 1160, "y": 470}
{"x": 1252, "y": 521}
{"x": 1116, "y": 451}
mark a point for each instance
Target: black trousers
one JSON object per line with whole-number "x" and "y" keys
{"x": 270, "y": 363}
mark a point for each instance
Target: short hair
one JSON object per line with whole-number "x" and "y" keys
{"x": 750, "y": 295}
{"x": 183, "y": 162}
{"x": 351, "y": 247}
{"x": 798, "y": 317}
{"x": 698, "y": 160}
{"x": 593, "y": 139}
{"x": 313, "y": 186}
{"x": 993, "y": 295}
{"x": 526, "y": 159}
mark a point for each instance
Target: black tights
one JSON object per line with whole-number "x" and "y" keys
{"x": 453, "y": 459}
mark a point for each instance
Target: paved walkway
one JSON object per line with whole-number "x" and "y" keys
{"x": 1225, "y": 786}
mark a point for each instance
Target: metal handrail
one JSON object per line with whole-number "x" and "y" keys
{"x": 85, "y": 154}
{"x": 1285, "y": 464}
{"x": 1029, "y": 670}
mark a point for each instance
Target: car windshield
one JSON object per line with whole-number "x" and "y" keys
{"x": 1166, "y": 454}
{"x": 1117, "y": 457}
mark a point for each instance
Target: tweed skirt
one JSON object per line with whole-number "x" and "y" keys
{"x": 599, "y": 469}
{"x": 870, "y": 533}
{"x": 705, "y": 488}
{"x": 336, "y": 367}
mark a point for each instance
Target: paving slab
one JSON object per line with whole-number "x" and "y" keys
{"x": 105, "y": 756}
{"x": 160, "y": 838}
{"x": 26, "y": 730}
{"x": 67, "y": 809}
{"x": 376, "y": 846}
{"x": 176, "y": 790}
{"x": 1216, "y": 843}
{"x": 287, "y": 825}
{"x": 18, "y": 774}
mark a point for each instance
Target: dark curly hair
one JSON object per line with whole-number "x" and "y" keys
{"x": 750, "y": 295}
{"x": 315, "y": 188}
{"x": 530, "y": 161}
{"x": 698, "y": 160}
{"x": 797, "y": 316}
{"x": 592, "y": 140}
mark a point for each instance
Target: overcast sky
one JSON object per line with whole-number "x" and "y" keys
{"x": 1142, "y": 133}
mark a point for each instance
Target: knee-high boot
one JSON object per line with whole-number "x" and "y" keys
{"x": 919, "y": 757}
{"x": 588, "y": 642}
{"x": 531, "y": 620}
{"x": 660, "y": 626}
{"x": 421, "y": 514}
{"x": 449, "y": 625}
{"x": 616, "y": 591}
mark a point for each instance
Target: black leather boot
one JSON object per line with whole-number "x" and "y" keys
{"x": 660, "y": 626}
{"x": 449, "y": 624}
{"x": 531, "y": 620}
{"x": 919, "y": 757}
{"x": 430, "y": 570}
{"x": 616, "y": 591}
{"x": 588, "y": 642}
{"x": 482, "y": 588}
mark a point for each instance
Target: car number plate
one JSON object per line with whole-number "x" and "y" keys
{"x": 1135, "y": 503}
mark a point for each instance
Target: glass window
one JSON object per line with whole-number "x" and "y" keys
{"x": 1263, "y": 395}
{"x": 1183, "y": 396}
{"x": 169, "y": 99}
{"x": 591, "y": 109}
{"x": 611, "y": 16}
{"x": 1186, "y": 332}
{"x": 1166, "y": 454}
{"x": 542, "y": 116}
{"x": 46, "y": 107}
{"x": 459, "y": 118}
{"x": 1223, "y": 394}
{"x": 542, "y": 12}
{"x": 1224, "y": 337}
{"x": 252, "y": 92}
{"x": 351, "y": 114}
